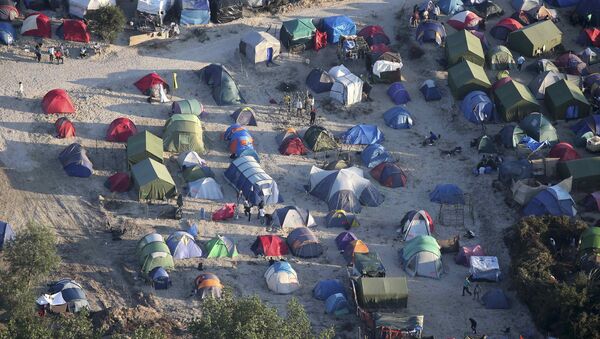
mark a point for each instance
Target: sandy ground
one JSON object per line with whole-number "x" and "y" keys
{"x": 35, "y": 187}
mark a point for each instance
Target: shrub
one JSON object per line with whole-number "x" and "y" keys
{"x": 107, "y": 22}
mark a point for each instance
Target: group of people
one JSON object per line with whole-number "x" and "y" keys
{"x": 57, "y": 54}
{"x": 299, "y": 105}
{"x": 265, "y": 219}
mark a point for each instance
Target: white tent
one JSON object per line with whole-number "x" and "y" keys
{"x": 347, "y": 89}
{"x": 484, "y": 268}
{"x": 79, "y": 8}
{"x": 381, "y": 66}
{"x": 417, "y": 225}
{"x": 421, "y": 256}
{"x": 259, "y": 46}
{"x": 190, "y": 159}
{"x": 205, "y": 188}
{"x": 282, "y": 278}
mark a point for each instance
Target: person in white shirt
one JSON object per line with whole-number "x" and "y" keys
{"x": 299, "y": 107}
{"x": 20, "y": 91}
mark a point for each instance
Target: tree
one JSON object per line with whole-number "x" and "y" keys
{"x": 75, "y": 326}
{"x": 107, "y": 22}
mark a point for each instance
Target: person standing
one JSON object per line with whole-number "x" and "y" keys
{"x": 20, "y": 91}
{"x": 261, "y": 215}
{"x": 310, "y": 102}
{"x": 473, "y": 325}
{"x": 299, "y": 107}
{"x": 59, "y": 57}
{"x": 38, "y": 52}
{"x": 247, "y": 209}
{"x": 466, "y": 285}
{"x": 520, "y": 62}
{"x": 476, "y": 292}
{"x": 313, "y": 115}
{"x": 51, "y": 54}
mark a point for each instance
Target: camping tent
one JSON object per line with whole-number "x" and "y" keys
{"x": 566, "y": 101}
{"x": 464, "y": 20}
{"x": 37, "y": 25}
{"x": 120, "y": 130}
{"x": 586, "y": 128}
{"x": 221, "y": 247}
{"x": 64, "y": 128}
{"x": 63, "y": 296}
{"x": 159, "y": 278}
{"x": 208, "y": 285}
{"x": 589, "y": 55}
{"x": 485, "y": 144}
{"x": 477, "y": 107}
{"x": 118, "y": 182}
{"x": 239, "y": 139}
{"x": 347, "y": 89}
{"x": 398, "y": 93}
{"x": 183, "y": 132}
{"x": 447, "y": 194}
{"x": 73, "y": 30}
{"x": 525, "y": 189}
{"x": 500, "y": 58}
{"x": 337, "y": 304}
{"x": 341, "y": 218}
{"x": 144, "y": 145}
{"x": 570, "y": 63}
{"x": 246, "y": 175}
{"x": 150, "y": 81}
{"x": 504, "y": 27}
{"x": 589, "y": 37}
{"x": 367, "y": 264}
{"x": 398, "y": 117}
{"x": 205, "y": 188}
{"x": 362, "y": 135}
{"x": 590, "y": 239}
{"x": 197, "y": 172}
{"x": 195, "y": 12}
{"x": 354, "y": 247}
{"x": 75, "y": 161}
{"x": 337, "y": 27}
{"x": 343, "y": 239}
{"x": 386, "y": 69}
{"x": 590, "y": 8}
{"x": 6, "y": 233}
{"x": 319, "y": 139}
{"x": 292, "y": 146}
{"x": 534, "y": 126}
{"x": 57, "y": 101}
{"x": 585, "y": 173}
{"x": 431, "y": 31}
{"x": 319, "y": 81}
{"x": 7, "y": 33}
{"x": 591, "y": 202}
{"x": 463, "y": 45}
{"x": 297, "y": 32}
{"x": 344, "y": 189}
{"x": 182, "y": 246}
{"x": 553, "y": 200}
{"x": 389, "y": 174}
{"x": 486, "y": 9}
{"x": 525, "y": 5}
{"x": 269, "y": 246}
{"x": 484, "y": 268}
{"x": 374, "y": 155}
{"x": 495, "y": 299}
{"x": 223, "y": 88}
{"x": 564, "y": 152}
{"x": 79, "y": 8}
{"x": 466, "y": 77}
{"x": 415, "y": 223}
{"x": 244, "y": 116}
{"x": 8, "y": 10}
{"x": 190, "y": 159}
{"x": 513, "y": 170}
{"x": 430, "y": 91}
{"x": 152, "y": 180}
{"x": 293, "y": 217}
{"x": 542, "y": 81}
{"x": 304, "y": 243}
{"x": 381, "y": 293}
{"x": 463, "y": 257}
{"x": 374, "y": 34}
{"x": 541, "y": 36}
{"x": 421, "y": 256}
{"x": 224, "y": 11}
{"x": 281, "y": 278}
{"x": 259, "y": 46}
{"x": 152, "y": 252}
{"x": 514, "y": 101}
{"x": 450, "y": 6}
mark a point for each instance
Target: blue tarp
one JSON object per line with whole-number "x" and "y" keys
{"x": 374, "y": 155}
{"x": 336, "y": 26}
{"x": 397, "y": 117}
{"x": 195, "y": 12}
{"x": 75, "y": 161}
{"x": 450, "y": 6}
{"x": 160, "y": 278}
{"x": 362, "y": 135}
{"x": 447, "y": 194}
{"x": 553, "y": 201}
{"x": 430, "y": 91}
{"x": 283, "y": 266}
{"x": 398, "y": 94}
{"x": 328, "y": 287}
{"x": 6, "y": 233}
{"x": 337, "y": 304}
{"x": 477, "y": 107}
{"x": 232, "y": 129}
{"x": 245, "y": 174}
{"x": 7, "y": 33}
{"x": 182, "y": 246}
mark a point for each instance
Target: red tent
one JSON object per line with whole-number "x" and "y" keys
{"x": 120, "y": 130}
{"x": 589, "y": 36}
{"x": 146, "y": 83}
{"x": 57, "y": 101}
{"x": 389, "y": 174}
{"x": 224, "y": 213}
{"x": 374, "y": 35}
{"x": 8, "y": 12}
{"x": 504, "y": 27}
{"x": 74, "y": 30}
{"x": 465, "y": 253}
{"x": 119, "y": 182}
{"x": 564, "y": 151}
{"x": 320, "y": 40}
{"x": 380, "y": 48}
{"x": 64, "y": 128}
{"x": 37, "y": 24}
{"x": 269, "y": 246}
{"x": 293, "y": 146}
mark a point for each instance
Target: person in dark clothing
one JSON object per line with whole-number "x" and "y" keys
{"x": 482, "y": 25}
{"x": 247, "y": 209}
{"x": 313, "y": 115}
{"x": 38, "y": 52}
{"x": 473, "y": 325}
{"x": 466, "y": 285}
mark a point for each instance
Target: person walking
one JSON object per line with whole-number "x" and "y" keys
{"x": 466, "y": 285}
{"x": 20, "y": 91}
{"x": 261, "y": 215}
{"x": 38, "y": 52}
{"x": 310, "y": 102}
{"x": 473, "y": 325}
{"x": 247, "y": 209}
{"x": 51, "y": 54}
{"x": 313, "y": 115}
{"x": 476, "y": 292}
{"x": 520, "y": 62}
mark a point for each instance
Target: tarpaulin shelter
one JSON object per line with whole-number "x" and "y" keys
{"x": 450, "y": 6}
{"x": 297, "y": 32}
{"x": 187, "y": 106}
{"x": 259, "y": 46}
{"x": 7, "y": 33}
{"x": 586, "y": 128}
{"x": 500, "y": 58}
{"x": 484, "y": 268}
{"x": 398, "y": 93}
{"x": 543, "y": 13}
{"x": 344, "y": 239}
{"x": 466, "y": 77}
{"x": 183, "y": 132}
{"x": 389, "y": 174}
{"x": 118, "y": 182}
{"x": 344, "y": 189}
{"x": 73, "y": 30}
{"x": 120, "y": 130}
{"x": 524, "y": 190}
{"x": 208, "y": 285}
{"x": 386, "y": 69}
{"x": 65, "y": 295}
{"x": 75, "y": 161}
{"x": 477, "y": 107}
{"x": 6, "y": 234}
{"x": 589, "y": 56}
{"x": 293, "y": 217}
{"x": 319, "y": 81}
{"x": 589, "y": 37}
{"x": 303, "y": 243}
{"x": 347, "y": 89}
{"x": 504, "y": 27}
{"x": 8, "y": 11}
{"x": 430, "y": 91}
{"x": 486, "y": 9}
{"x": 221, "y": 247}
{"x": 368, "y": 264}
{"x": 64, "y": 128}
{"x": 37, "y": 25}
{"x": 144, "y": 145}
{"x": 319, "y": 139}
{"x": 541, "y": 36}
{"x": 328, "y": 287}
{"x": 525, "y": 5}
{"x": 337, "y": 304}
{"x": 246, "y": 175}
{"x": 566, "y": 101}
{"x": 79, "y": 8}
{"x": 152, "y": 252}
{"x": 564, "y": 152}
{"x": 495, "y": 299}
{"x": 538, "y": 85}
{"x": 590, "y": 8}
{"x": 585, "y": 173}
{"x": 269, "y": 246}
{"x": 341, "y": 218}
{"x": 570, "y": 63}
{"x": 182, "y": 246}
{"x": 152, "y": 180}
{"x": 205, "y": 188}
{"x": 374, "y": 155}
{"x": 150, "y": 81}
{"x": 398, "y": 117}
{"x": 463, "y": 45}
{"x": 159, "y": 278}
{"x": 447, "y": 194}
{"x": 337, "y": 27}
{"x": 57, "y": 101}
{"x": 382, "y": 293}
{"x": 464, "y": 20}
{"x": 281, "y": 278}
{"x": 224, "y": 90}
{"x": 244, "y": 116}
{"x": 374, "y": 34}
{"x": 416, "y": 223}
{"x": 553, "y": 200}
{"x": 514, "y": 101}
{"x": 431, "y": 31}
{"x": 354, "y": 247}
{"x": 224, "y": 11}
{"x": 421, "y": 256}
{"x": 195, "y": 12}
{"x": 362, "y": 135}
{"x": 463, "y": 257}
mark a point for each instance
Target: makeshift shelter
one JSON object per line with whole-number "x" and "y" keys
{"x": 64, "y": 128}
{"x": 336, "y": 27}
{"x": 513, "y": 170}
{"x": 415, "y": 223}
{"x": 486, "y": 9}
{"x": 449, "y": 7}
{"x": 64, "y": 296}
{"x": 431, "y": 31}
{"x": 354, "y": 247}
{"x": 553, "y": 200}
{"x": 159, "y": 278}
{"x": 224, "y": 90}
{"x": 259, "y": 47}
{"x": 367, "y": 265}
{"x": 221, "y": 247}
{"x": 539, "y": 84}
{"x": 430, "y": 91}
{"x": 386, "y": 69}
{"x": 374, "y": 155}
{"x": 589, "y": 37}
{"x": 524, "y": 190}
{"x": 182, "y": 246}
{"x": 421, "y": 256}
{"x": 150, "y": 82}
{"x": 463, "y": 45}
{"x": 586, "y": 128}
{"x": 152, "y": 180}
{"x": 281, "y": 278}
{"x": 183, "y": 132}
{"x": 120, "y": 130}
{"x": 7, "y": 33}
{"x": 75, "y": 161}
{"x": 118, "y": 182}
{"x": 398, "y": 117}
{"x": 8, "y": 10}
{"x": 362, "y": 135}
{"x": 293, "y": 217}
{"x": 6, "y": 234}
{"x": 269, "y": 246}
{"x": 500, "y": 58}
{"x": 297, "y": 32}
{"x": 589, "y": 8}
{"x": 319, "y": 81}
{"x": 570, "y": 63}
{"x": 224, "y": 11}
{"x": 187, "y": 106}
{"x": 381, "y": 293}
{"x": 341, "y": 218}
{"x": 347, "y": 89}
{"x": 447, "y": 194}
{"x": 344, "y": 189}
{"x": 303, "y": 243}
{"x": 244, "y": 116}
{"x": 504, "y": 27}
{"x": 319, "y": 139}
{"x": 337, "y": 304}
{"x": 463, "y": 257}
{"x": 374, "y": 34}
{"x": 389, "y": 174}
{"x": 466, "y": 77}
{"x": 477, "y": 107}
{"x": 195, "y": 12}
{"x": 37, "y": 25}
{"x": 589, "y": 56}
{"x": 564, "y": 152}
{"x": 142, "y": 146}
{"x": 398, "y": 93}
{"x": 73, "y": 30}
{"x": 152, "y": 252}
{"x": 484, "y": 268}
{"x": 533, "y": 39}
{"x": 585, "y": 173}
{"x": 566, "y": 101}
{"x": 57, "y": 101}
{"x": 464, "y": 20}
{"x": 495, "y": 299}
{"x": 514, "y": 101}
{"x": 246, "y": 175}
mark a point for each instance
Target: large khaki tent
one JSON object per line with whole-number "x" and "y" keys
{"x": 466, "y": 77}
{"x": 379, "y": 293}
{"x": 463, "y": 45}
{"x": 183, "y": 132}
{"x": 541, "y": 36}
{"x": 142, "y": 146}
{"x": 514, "y": 101}
{"x": 585, "y": 173}
{"x": 152, "y": 180}
{"x": 259, "y": 46}
{"x": 566, "y": 101}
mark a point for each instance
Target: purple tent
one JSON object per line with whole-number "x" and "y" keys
{"x": 398, "y": 93}
{"x": 343, "y": 239}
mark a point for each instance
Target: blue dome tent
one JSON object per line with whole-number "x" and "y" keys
{"x": 362, "y": 135}
{"x": 450, "y": 6}
{"x": 337, "y": 304}
{"x": 430, "y": 91}
{"x": 245, "y": 174}
{"x": 7, "y": 33}
{"x": 374, "y": 155}
{"x": 477, "y": 107}
{"x": 447, "y": 194}
{"x": 430, "y": 31}
{"x": 398, "y": 118}
{"x": 398, "y": 94}
{"x": 328, "y": 287}
{"x": 319, "y": 81}
{"x": 75, "y": 161}
{"x": 160, "y": 278}
{"x": 553, "y": 200}
{"x": 338, "y": 26}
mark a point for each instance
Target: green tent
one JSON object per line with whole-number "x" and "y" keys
{"x": 514, "y": 101}
{"x": 152, "y": 180}
{"x": 143, "y": 146}
{"x": 378, "y": 293}
{"x": 500, "y": 58}
{"x": 197, "y": 172}
{"x": 463, "y": 45}
{"x": 221, "y": 247}
{"x": 565, "y": 100}
{"x": 590, "y": 239}
{"x": 466, "y": 77}
{"x": 297, "y": 32}
{"x": 152, "y": 251}
{"x": 183, "y": 132}
{"x": 486, "y": 145}
{"x": 533, "y": 39}
{"x": 319, "y": 139}
{"x": 156, "y": 246}
{"x": 537, "y": 126}
{"x": 157, "y": 259}
{"x": 585, "y": 173}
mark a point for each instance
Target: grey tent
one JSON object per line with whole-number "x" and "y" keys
{"x": 6, "y": 233}
{"x": 259, "y": 46}
{"x": 293, "y": 217}
{"x": 223, "y": 88}
{"x": 304, "y": 243}
{"x": 495, "y": 299}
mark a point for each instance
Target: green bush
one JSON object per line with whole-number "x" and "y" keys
{"x": 107, "y": 22}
